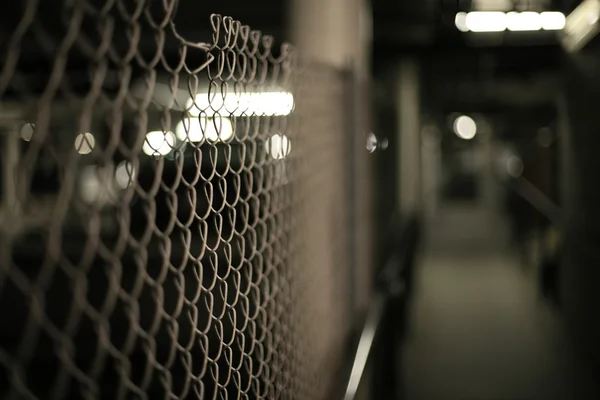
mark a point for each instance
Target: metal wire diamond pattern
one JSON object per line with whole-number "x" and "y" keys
{"x": 172, "y": 223}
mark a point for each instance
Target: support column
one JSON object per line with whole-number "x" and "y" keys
{"x": 409, "y": 143}
{"x": 322, "y": 30}
{"x": 335, "y": 35}
{"x": 488, "y": 182}
{"x": 431, "y": 161}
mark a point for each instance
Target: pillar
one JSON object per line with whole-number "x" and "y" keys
{"x": 335, "y": 35}
{"x": 579, "y": 163}
{"x": 488, "y": 186}
{"x": 431, "y": 157}
{"x": 320, "y": 29}
{"x": 408, "y": 150}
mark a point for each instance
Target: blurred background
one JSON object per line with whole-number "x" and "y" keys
{"x": 419, "y": 221}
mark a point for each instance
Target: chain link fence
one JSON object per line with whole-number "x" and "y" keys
{"x": 174, "y": 216}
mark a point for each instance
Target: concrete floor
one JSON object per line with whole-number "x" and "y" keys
{"x": 477, "y": 326}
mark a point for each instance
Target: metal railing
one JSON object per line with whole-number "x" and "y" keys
{"x": 377, "y": 351}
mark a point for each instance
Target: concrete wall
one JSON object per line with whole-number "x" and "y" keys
{"x": 580, "y": 201}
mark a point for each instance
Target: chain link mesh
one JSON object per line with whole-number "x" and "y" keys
{"x": 173, "y": 221}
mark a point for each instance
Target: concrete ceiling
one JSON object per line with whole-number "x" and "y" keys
{"x": 397, "y": 24}
{"x": 420, "y": 27}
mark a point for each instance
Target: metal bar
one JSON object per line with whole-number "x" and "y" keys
{"x": 538, "y": 200}
{"x": 365, "y": 346}
{"x": 392, "y": 285}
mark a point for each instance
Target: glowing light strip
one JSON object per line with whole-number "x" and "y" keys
{"x": 498, "y": 21}
{"x": 260, "y": 104}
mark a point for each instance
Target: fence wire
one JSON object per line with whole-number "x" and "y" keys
{"x": 173, "y": 220}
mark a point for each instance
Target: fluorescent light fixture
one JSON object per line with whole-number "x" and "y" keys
{"x": 90, "y": 186}
{"x": 553, "y": 21}
{"x": 96, "y": 185}
{"x": 278, "y": 146}
{"x": 124, "y": 174}
{"x": 581, "y": 25}
{"x": 238, "y": 104}
{"x": 465, "y": 127}
{"x": 514, "y": 166}
{"x": 196, "y": 129}
{"x": 498, "y": 21}
{"x": 461, "y": 22}
{"x": 85, "y": 143}
{"x": 159, "y": 143}
{"x": 27, "y": 131}
{"x": 486, "y": 21}
{"x": 523, "y": 21}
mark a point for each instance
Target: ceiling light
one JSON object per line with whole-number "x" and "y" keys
{"x": 498, "y": 21}
{"x": 483, "y": 21}
{"x": 27, "y": 131}
{"x": 553, "y": 21}
{"x": 278, "y": 146}
{"x": 159, "y": 143}
{"x": 85, "y": 143}
{"x": 461, "y": 22}
{"x": 523, "y": 21}
{"x": 465, "y": 127}
{"x": 197, "y": 129}
{"x": 125, "y": 174}
{"x": 486, "y": 21}
{"x": 238, "y": 104}
{"x": 514, "y": 166}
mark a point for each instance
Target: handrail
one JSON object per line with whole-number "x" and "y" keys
{"x": 365, "y": 345}
{"x": 537, "y": 200}
{"x": 390, "y": 284}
